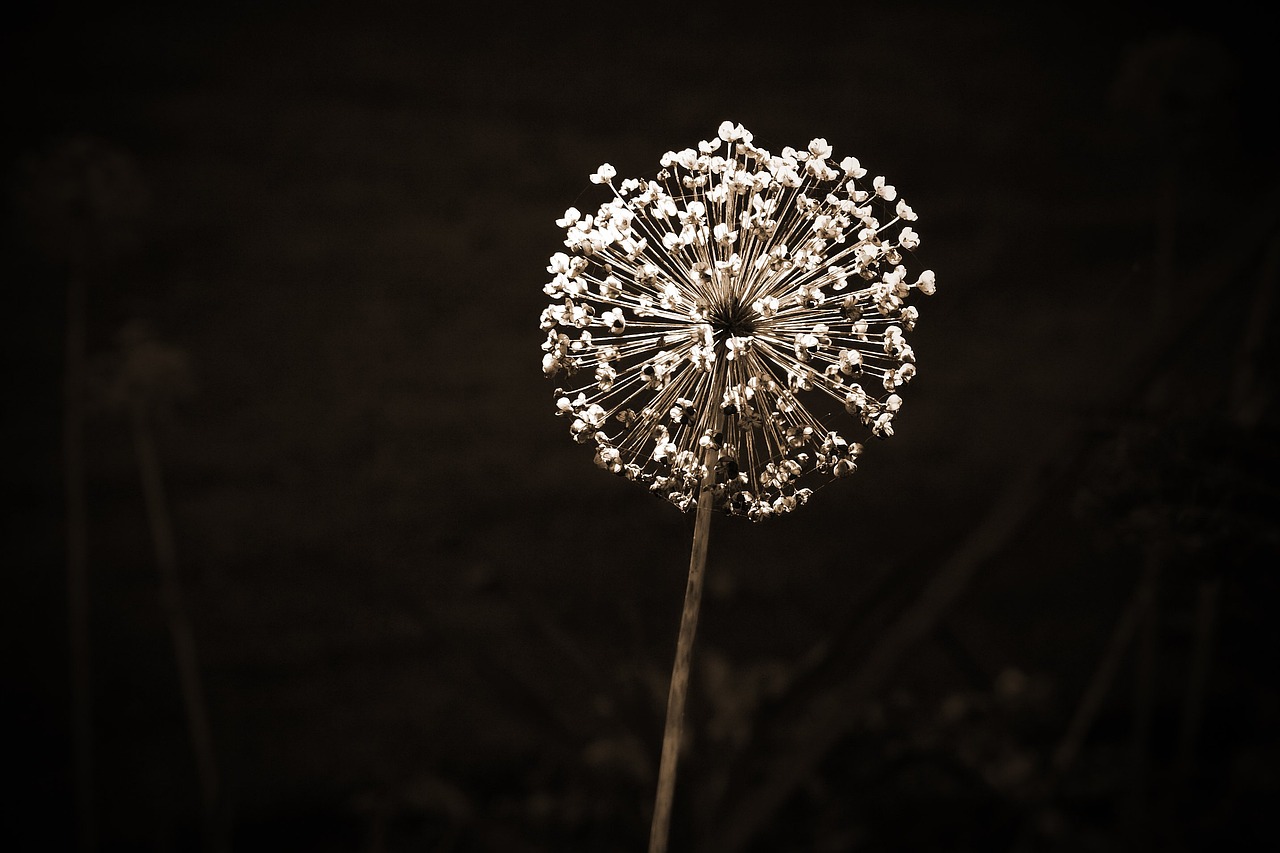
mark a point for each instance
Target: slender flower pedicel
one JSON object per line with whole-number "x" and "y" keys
{"x": 710, "y": 326}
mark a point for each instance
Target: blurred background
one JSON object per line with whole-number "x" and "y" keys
{"x": 302, "y": 560}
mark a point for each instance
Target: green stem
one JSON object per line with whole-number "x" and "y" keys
{"x": 674, "y": 731}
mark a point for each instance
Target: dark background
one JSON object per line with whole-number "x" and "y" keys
{"x": 311, "y": 244}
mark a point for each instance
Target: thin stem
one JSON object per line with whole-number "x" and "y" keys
{"x": 1103, "y": 679}
{"x": 181, "y": 632}
{"x": 674, "y": 732}
{"x": 1144, "y": 697}
{"x": 1198, "y": 677}
{"x": 78, "y": 566}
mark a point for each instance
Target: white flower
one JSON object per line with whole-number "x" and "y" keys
{"x": 927, "y": 283}
{"x": 731, "y": 132}
{"x": 852, "y": 168}
{"x": 560, "y": 264}
{"x": 723, "y": 235}
{"x": 696, "y": 319}
{"x": 614, "y": 320}
{"x": 604, "y": 174}
{"x": 766, "y": 307}
{"x": 820, "y": 149}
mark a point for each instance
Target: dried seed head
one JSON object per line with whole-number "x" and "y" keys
{"x": 709, "y": 320}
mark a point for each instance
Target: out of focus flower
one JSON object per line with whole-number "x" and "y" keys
{"x": 718, "y": 318}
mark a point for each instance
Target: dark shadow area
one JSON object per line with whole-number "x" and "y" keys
{"x": 301, "y": 558}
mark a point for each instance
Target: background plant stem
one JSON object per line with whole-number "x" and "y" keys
{"x": 180, "y": 629}
{"x": 78, "y": 565}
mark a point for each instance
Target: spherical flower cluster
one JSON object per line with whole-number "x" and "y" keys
{"x": 700, "y": 319}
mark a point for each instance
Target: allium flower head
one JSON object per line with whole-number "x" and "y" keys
{"x": 724, "y": 315}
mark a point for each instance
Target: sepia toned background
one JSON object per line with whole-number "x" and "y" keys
{"x": 300, "y": 559}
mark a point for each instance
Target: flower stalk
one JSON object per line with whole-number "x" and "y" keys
{"x": 725, "y": 333}
{"x": 673, "y": 732}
